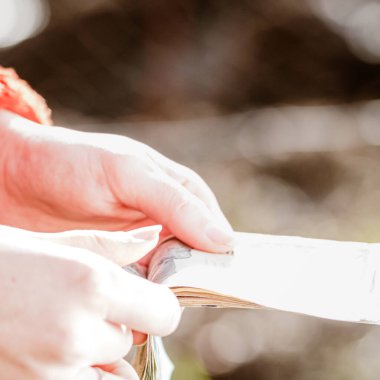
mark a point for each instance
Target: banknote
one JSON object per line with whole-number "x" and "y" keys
{"x": 321, "y": 278}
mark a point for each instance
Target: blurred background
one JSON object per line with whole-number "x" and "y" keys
{"x": 276, "y": 103}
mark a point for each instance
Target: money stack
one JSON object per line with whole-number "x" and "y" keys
{"x": 321, "y": 278}
{"x": 151, "y": 361}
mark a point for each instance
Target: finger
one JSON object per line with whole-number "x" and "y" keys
{"x": 194, "y": 183}
{"x": 184, "y": 214}
{"x": 95, "y": 373}
{"x": 140, "y": 304}
{"x": 121, "y": 247}
{"x": 124, "y": 298}
{"x": 103, "y": 342}
{"x": 139, "y": 338}
{"x": 120, "y": 368}
{"x": 110, "y": 343}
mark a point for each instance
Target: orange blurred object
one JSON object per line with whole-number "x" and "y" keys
{"x": 17, "y": 96}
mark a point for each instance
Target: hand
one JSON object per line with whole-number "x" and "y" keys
{"x": 66, "y": 310}
{"x": 56, "y": 179}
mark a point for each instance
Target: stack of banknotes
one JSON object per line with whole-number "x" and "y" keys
{"x": 321, "y": 278}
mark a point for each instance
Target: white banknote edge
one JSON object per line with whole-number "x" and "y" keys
{"x": 328, "y": 279}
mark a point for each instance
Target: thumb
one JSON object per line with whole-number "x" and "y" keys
{"x": 121, "y": 247}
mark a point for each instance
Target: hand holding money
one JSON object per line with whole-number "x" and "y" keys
{"x": 68, "y": 313}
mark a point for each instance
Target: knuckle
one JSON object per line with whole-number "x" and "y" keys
{"x": 191, "y": 175}
{"x": 82, "y": 278}
{"x": 85, "y": 283}
{"x": 181, "y": 204}
{"x": 65, "y": 334}
{"x": 63, "y": 342}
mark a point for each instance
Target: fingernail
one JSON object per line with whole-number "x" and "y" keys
{"x": 220, "y": 236}
{"x": 141, "y": 344}
{"x": 147, "y": 233}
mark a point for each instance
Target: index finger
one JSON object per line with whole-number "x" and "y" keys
{"x": 189, "y": 179}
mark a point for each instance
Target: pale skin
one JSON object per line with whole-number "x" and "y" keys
{"x": 66, "y": 309}
{"x": 55, "y": 179}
